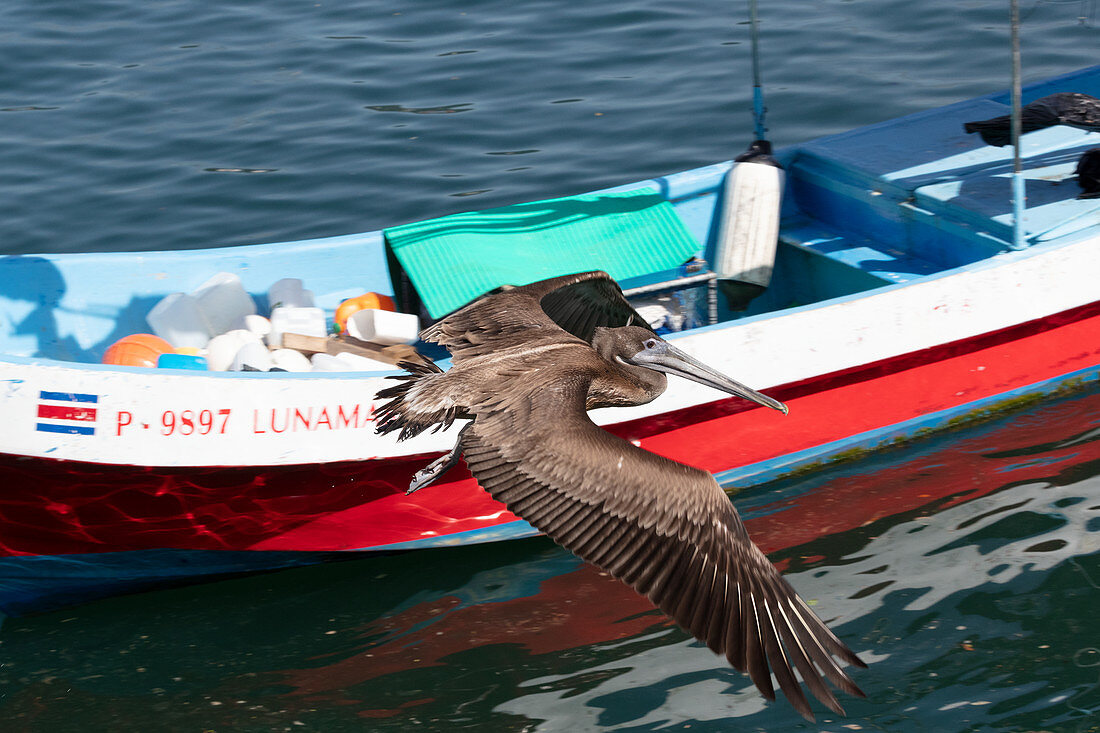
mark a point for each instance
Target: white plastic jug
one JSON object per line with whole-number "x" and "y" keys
{"x": 224, "y": 301}
{"x": 290, "y": 360}
{"x": 179, "y": 320}
{"x": 306, "y": 321}
{"x": 289, "y": 293}
{"x": 384, "y": 327}
{"x": 363, "y": 363}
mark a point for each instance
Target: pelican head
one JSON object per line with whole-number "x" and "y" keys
{"x": 639, "y": 347}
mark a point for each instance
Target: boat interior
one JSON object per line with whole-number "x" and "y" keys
{"x": 880, "y": 206}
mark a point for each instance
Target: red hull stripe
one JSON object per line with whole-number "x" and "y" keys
{"x": 66, "y": 412}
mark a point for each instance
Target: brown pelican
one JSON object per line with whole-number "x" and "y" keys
{"x": 528, "y": 363}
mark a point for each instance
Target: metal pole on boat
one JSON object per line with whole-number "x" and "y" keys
{"x": 752, "y": 199}
{"x": 1019, "y": 240}
{"x": 761, "y": 132}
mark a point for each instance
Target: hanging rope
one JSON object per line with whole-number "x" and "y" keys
{"x": 760, "y": 130}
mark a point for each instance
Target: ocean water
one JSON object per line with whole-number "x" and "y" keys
{"x": 170, "y": 124}
{"x": 166, "y": 124}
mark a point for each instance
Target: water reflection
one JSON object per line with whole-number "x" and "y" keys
{"x": 965, "y": 570}
{"x": 974, "y": 608}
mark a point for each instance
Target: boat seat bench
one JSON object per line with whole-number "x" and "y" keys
{"x": 982, "y": 195}
{"x": 911, "y": 180}
{"x": 872, "y": 258}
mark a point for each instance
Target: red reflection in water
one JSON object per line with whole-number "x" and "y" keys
{"x": 585, "y": 606}
{"x": 574, "y": 609}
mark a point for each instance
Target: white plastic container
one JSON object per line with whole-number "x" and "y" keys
{"x": 363, "y": 364}
{"x": 306, "y": 321}
{"x": 288, "y": 293}
{"x": 254, "y": 355}
{"x": 383, "y": 327}
{"x": 179, "y": 320}
{"x": 290, "y": 360}
{"x": 254, "y": 324}
{"x": 222, "y": 349}
{"x": 328, "y": 363}
{"x": 224, "y": 302}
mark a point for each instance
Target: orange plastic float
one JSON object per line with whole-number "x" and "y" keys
{"x": 139, "y": 349}
{"x": 376, "y": 301}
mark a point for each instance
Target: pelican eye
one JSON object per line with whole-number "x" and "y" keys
{"x": 650, "y": 344}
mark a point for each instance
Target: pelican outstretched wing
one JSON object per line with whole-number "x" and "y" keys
{"x": 576, "y": 304}
{"x": 666, "y": 529}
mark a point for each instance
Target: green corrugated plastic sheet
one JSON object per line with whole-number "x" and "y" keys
{"x": 454, "y": 259}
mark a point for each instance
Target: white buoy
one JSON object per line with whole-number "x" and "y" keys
{"x": 749, "y": 225}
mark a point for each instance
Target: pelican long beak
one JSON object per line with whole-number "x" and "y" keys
{"x": 664, "y": 357}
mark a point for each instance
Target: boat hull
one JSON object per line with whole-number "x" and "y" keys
{"x": 68, "y": 528}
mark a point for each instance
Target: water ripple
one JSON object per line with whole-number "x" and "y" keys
{"x": 610, "y": 94}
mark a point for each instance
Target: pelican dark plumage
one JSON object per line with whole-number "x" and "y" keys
{"x": 528, "y": 363}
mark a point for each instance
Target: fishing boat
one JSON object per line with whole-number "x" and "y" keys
{"x": 905, "y": 296}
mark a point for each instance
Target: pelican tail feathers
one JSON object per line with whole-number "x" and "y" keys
{"x": 402, "y": 413}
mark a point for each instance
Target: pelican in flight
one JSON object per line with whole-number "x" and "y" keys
{"x": 528, "y": 364}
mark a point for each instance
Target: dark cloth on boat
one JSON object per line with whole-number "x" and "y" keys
{"x": 1088, "y": 174}
{"x": 1066, "y": 108}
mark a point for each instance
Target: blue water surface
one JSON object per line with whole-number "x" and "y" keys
{"x": 169, "y": 124}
